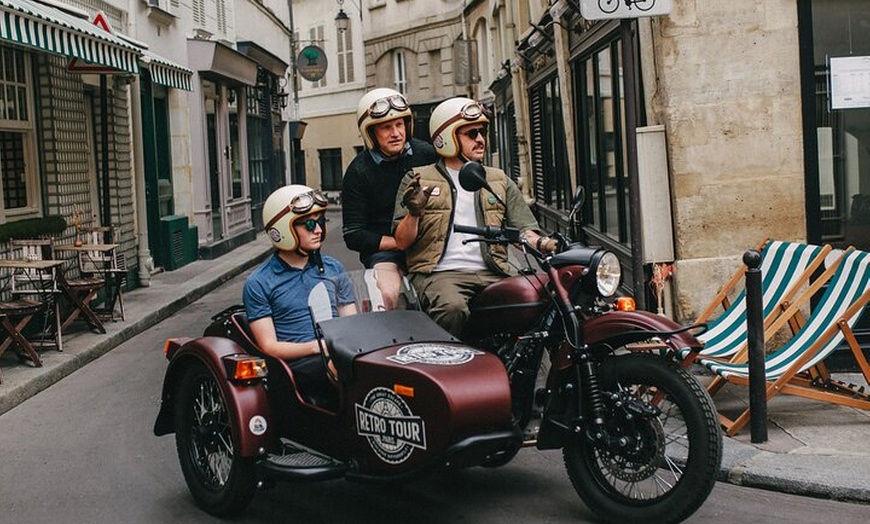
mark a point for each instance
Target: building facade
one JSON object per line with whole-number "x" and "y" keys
{"x": 696, "y": 133}
{"x": 166, "y": 119}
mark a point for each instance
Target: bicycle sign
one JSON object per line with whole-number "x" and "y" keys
{"x": 605, "y": 9}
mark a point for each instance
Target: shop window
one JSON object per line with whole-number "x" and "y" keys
{"x": 330, "y": 169}
{"x": 19, "y": 180}
{"x": 600, "y": 141}
{"x": 549, "y": 155}
{"x": 838, "y": 194}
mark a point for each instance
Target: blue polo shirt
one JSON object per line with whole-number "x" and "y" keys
{"x": 278, "y": 290}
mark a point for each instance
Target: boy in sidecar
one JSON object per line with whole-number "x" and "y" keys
{"x": 276, "y": 294}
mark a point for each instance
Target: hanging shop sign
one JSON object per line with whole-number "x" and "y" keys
{"x": 311, "y": 63}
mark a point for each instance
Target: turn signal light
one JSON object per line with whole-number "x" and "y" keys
{"x": 405, "y": 391}
{"x": 625, "y": 304}
{"x": 245, "y": 367}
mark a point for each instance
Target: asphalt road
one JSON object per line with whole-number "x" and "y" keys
{"x": 83, "y": 451}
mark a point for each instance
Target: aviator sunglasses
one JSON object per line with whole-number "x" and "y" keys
{"x": 312, "y": 223}
{"x": 476, "y": 132}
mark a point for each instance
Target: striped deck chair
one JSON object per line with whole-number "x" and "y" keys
{"x": 785, "y": 268}
{"x": 789, "y": 368}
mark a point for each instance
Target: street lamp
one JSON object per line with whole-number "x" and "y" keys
{"x": 342, "y": 21}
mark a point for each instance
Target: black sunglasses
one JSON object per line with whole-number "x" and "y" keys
{"x": 312, "y": 223}
{"x": 474, "y": 133}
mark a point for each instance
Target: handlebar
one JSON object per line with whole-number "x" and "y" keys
{"x": 493, "y": 234}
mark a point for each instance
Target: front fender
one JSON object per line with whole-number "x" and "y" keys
{"x": 618, "y": 328}
{"x": 243, "y": 401}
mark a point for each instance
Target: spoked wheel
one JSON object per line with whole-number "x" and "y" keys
{"x": 672, "y": 449}
{"x": 221, "y": 482}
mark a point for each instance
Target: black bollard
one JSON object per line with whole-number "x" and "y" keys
{"x": 755, "y": 341}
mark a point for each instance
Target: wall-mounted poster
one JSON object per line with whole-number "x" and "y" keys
{"x": 850, "y": 82}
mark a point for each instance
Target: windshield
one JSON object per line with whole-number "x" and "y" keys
{"x": 362, "y": 291}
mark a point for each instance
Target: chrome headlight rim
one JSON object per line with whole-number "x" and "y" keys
{"x": 608, "y": 273}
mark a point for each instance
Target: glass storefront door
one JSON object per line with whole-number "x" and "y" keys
{"x": 839, "y": 189}
{"x": 835, "y": 62}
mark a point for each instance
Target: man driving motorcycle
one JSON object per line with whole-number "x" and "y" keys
{"x": 371, "y": 180}
{"x": 445, "y": 272}
{"x": 276, "y": 293}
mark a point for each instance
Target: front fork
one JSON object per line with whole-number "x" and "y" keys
{"x": 583, "y": 407}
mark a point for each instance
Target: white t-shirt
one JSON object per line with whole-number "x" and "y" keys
{"x": 459, "y": 256}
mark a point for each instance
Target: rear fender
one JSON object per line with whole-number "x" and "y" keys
{"x": 618, "y": 328}
{"x": 244, "y": 401}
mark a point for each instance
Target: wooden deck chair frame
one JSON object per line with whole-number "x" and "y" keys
{"x": 783, "y": 281}
{"x": 828, "y": 326}
{"x": 793, "y": 317}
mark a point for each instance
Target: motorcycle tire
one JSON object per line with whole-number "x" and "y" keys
{"x": 674, "y": 465}
{"x": 222, "y": 482}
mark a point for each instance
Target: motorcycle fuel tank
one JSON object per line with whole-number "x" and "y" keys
{"x": 427, "y": 403}
{"x": 510, "y": 305}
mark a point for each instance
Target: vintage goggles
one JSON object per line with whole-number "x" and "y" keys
{"x": 312, "y": 223}
{"x": 304, "y": 202}
{"x": 299, "y": 205}
{"x": 381, "y": 107}
{"x": 471, "y": 111}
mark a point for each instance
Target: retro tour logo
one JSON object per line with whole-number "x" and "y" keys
{"x": 391, "y": 429}
{"x": 434, "y": 354}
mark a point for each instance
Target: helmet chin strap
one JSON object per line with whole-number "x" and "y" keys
{"x": 318, "y": 260}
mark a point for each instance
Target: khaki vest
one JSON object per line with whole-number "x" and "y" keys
{"x": 437, "y": 222}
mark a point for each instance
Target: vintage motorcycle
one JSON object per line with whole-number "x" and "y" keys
{"x": 546, "y": 363}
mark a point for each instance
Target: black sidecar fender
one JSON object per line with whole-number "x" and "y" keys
{"x": 618, "y": 328}
{"x": 249, "y": 409}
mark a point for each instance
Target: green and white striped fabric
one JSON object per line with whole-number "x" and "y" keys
{"x": 849, "y": 284}
{"x": 39, "y": 26}
{"x": 167, "y": 73}
{"x": 782, "y": 265}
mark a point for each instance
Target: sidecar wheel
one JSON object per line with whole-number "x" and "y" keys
{"x": 675, "y": 451}
{"x": 221, "y": 481}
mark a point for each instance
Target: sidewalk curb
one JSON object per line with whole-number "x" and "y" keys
{"x": 97, "y": 345}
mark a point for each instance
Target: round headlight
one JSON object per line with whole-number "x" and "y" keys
{"x": 608, "y": 274}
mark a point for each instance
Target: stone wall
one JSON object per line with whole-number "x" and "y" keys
{"x": 728, "y": 92}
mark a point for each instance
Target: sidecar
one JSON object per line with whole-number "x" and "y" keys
{"x": 408, "y": 398}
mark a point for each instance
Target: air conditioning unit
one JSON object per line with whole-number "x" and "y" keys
{"x": 163, "y": 5}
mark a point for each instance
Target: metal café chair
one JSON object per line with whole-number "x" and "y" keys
{"x": 106, "y": 263}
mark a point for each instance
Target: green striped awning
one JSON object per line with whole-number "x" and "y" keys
{"x": 52, "y": 30}
{"x": 167, "y": 73}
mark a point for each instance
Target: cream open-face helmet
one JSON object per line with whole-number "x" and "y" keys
{"x": 448, "y": 117}
{"x": 382, "y": 105}
{"x": 284, "y": 207}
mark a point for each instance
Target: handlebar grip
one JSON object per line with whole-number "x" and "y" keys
{"x": 471, "y": 230}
